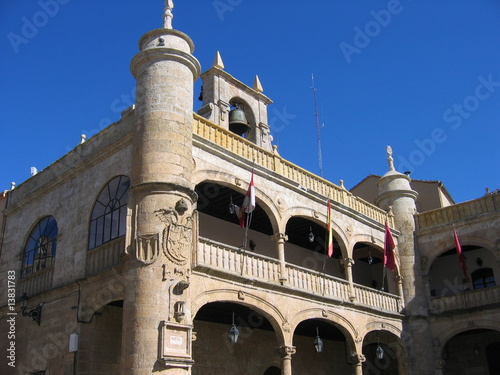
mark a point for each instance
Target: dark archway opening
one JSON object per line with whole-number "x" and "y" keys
{"x": 473, "y": 350}
{"x": 214, "y": 353}
{"x": 333, "y": 357}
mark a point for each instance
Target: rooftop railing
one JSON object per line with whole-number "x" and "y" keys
{"x": 457, "y": 212}
{"x": 273, "y": 161}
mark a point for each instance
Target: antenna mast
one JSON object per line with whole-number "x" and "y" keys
{"x": 318, "y": 126}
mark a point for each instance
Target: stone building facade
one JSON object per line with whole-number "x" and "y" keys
{"x": 128, "y": 256}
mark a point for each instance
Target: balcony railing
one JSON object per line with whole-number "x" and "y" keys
{"x": 231, "y": 260}
{"x": 37, "y": 282}
{"x": 305, "y": 179}
{"x": 458, "y": 212}
{"x": 467, "y": 300}
{"x": 105, "y": 256}
{"x": 227, "y": 261}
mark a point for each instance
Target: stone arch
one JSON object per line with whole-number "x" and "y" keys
{"x": 465, "y": 240}
{"x": 231, "y": 181}
{"x": 388, "y": 338}
{"x": 447, "y": 332}
{"x": 344, "y": 325}
{"x": 319, "y": 218}
{"x": 98, "y": 295}
{"x": 275, "y": 317}
{"x": 380, "y": 326}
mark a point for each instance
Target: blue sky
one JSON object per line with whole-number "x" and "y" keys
{"x": 420, "y": 75}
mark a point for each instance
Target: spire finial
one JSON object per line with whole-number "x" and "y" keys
{"x": 218, "y": 61}
{"x": 257, "y": 86}
{"x": 390, "y": 159}
{"x": 167, "y": 15}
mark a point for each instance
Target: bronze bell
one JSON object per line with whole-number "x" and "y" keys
{"x": 238, "y": 122}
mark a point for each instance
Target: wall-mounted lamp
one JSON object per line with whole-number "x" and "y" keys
{"x": 233, "y": 333}
{"x": 479, "y": 262}
{"x": 311, "y": 235}
{"x": 318, "y": 343}
{"x": 34, "y": 313}
{"x": 370, "y": 258}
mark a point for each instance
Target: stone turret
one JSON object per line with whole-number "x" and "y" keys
{"x": 156, "y": 320}
{"x": 396, "y": 196}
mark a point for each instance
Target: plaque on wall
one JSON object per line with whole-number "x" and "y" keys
{"x": 175, "y": 344}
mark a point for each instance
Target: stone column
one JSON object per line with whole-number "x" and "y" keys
{"x": 348, "y": 263}
{"x": 157, "y": 327}
{"x": 440, "y": 363}
{"x": 357, "y": 361}
{"x": 280, "y": 239}
{"x": 286, "y": 353}
{"x": 399, "y": 285}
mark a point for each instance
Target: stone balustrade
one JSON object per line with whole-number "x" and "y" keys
{"x": 466, "y": 300}
{"x": 457, "y": 212}
{"x": 105, "y": 256}
{"x": 376, "y": 298}
{"x": 318, "y": 283}
{"x": 228, "y": 261}
{"x": 232, "y": 260}
{"x": 37, "y": 282}
{"x": 305, "y": 179}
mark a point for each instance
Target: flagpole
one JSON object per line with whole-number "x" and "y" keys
{"x": 384, "y": 272}
{"x": 249, "y": 220}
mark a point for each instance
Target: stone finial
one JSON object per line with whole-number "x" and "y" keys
{"x": 257, "y": 86}
{"x": 218, "y": 61}
{"x": 167, "y": 15}
{"x": 390, "y": 159}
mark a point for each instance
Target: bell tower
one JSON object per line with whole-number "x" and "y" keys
{"x": 235, "y": 106}
{"x": 156, "y": 320}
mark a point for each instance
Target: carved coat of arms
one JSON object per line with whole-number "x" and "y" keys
{"x": 177, "y": 237}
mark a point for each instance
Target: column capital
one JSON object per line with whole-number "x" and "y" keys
{"x": 357, "y": 359}
{"x": 348, "y": 262}
{"x": 279, "y": 237}
{"x": 440, "y": 363}
{"x": 286, "y": 351}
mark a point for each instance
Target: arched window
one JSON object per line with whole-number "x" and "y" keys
{"x": 40, "y": 249}
{"x": 483, "y": 278}
{"x": 108, "y": 220}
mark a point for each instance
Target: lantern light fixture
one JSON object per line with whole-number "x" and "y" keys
{"x": 311, "y": 235}
{"x": 34, "y": 313}
{"x": 232, "y": 206}
{"x": 233, "y": 333}
{"x": 379, "y": 352}
{"x": 318, "y": 343}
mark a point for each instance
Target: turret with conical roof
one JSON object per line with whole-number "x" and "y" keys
{"x": 396, "y": 196}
